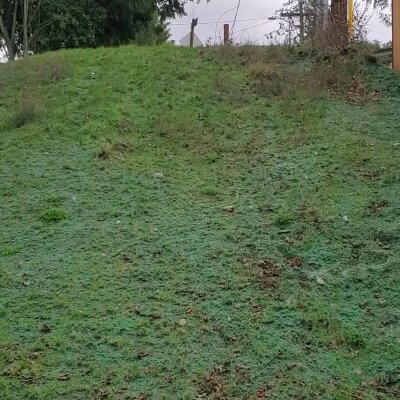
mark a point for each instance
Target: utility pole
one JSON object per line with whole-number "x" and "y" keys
{"x": 396, "y": 34}
{"x": 194, "y": 24}
{"x": 302, "y": 15}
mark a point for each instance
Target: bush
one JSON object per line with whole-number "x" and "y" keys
{"x": 25, "y": 113}
{"x": 308, "y": 71}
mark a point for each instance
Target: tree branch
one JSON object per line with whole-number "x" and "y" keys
{"x": 4, "y": 32}
{"x": 35, "y": 12}
{"x": 14, "y": 21}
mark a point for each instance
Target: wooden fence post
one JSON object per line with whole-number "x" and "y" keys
{"x": 226, "y": 34}
{"x": 194, "y": 24}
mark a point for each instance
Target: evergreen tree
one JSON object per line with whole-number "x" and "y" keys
{"x": 56, "y": 24}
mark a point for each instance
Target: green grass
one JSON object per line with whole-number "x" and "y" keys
{"x": 166, "y": 233}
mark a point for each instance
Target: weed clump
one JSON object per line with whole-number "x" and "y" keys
{"x": 354, "y": 339}
{"x": 284, "y": 218}
{"x": 54, "y": 215}
{"x": 33, "y": 72}
{"x": 109, "y": 151}
{"x": 9, "y": 251}
{"x": 266, "y": 273}
{"x": 53, "y": 71}
{"x": 309, "y": 71}
{"x": 268, "y": 80}
{"x": 26, "y": 112}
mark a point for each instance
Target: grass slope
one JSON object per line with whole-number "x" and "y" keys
{"x": 167, "y": 234}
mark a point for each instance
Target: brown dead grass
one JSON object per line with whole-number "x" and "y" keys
{"x": 116, "y": 150}
{"x": 212, "y": 386}
{"x": 275, "y": 71}
{"x": 265, "y": 272}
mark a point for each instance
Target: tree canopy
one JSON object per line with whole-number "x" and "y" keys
{"x": 55, "y": 24}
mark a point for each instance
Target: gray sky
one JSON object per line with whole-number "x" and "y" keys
{"x": 249, "y": 9}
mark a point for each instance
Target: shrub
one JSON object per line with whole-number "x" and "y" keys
{"x": 53, "y": 70}
{"x": 325, "y": 63}
{"x": 25, "y": 113}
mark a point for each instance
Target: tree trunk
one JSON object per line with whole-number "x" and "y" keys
{"x": 25, "y": 26}
{"x": 10, "y": 45}
{"x": 10, "y": 38}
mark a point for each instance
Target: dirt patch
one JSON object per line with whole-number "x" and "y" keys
{"x": 377, "y": 206}
{"x": 212, "y": 385}
{"x": 242, "y": 374}
{"x": 266, "y": 273}
{"x": 294, "y": 262}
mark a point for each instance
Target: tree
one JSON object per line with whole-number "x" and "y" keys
{"x": 8, "y": 27}
{"x": 312, "y": 9}
{"x": 299, "y": 19}
{"x": 25, "y": 10}
{"x": 41, "y": 25}
{"x": 66, "y": 24}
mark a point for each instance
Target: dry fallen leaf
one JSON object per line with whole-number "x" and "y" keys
{"x": 229, "y": 209}
{"x": 261, "y": 394}
{"x": 64, "y": 377}
{"x": 320, "y": 280}
{"x": 36, "y": 354}
{"x": 141, "y": 354}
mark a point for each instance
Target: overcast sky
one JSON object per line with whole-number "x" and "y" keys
{"x": 246, "y": 30}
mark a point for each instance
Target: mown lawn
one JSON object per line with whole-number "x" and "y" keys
{"x": 168, "y": 234}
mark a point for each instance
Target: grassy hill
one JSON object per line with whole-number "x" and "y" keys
{"x": 178, "y": 224}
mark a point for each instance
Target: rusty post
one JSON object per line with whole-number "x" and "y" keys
{"x": 226, "y": 34}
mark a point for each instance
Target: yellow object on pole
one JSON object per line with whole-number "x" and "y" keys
{"x": 350, "y": 18}
{"x": 396, "y": 34}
